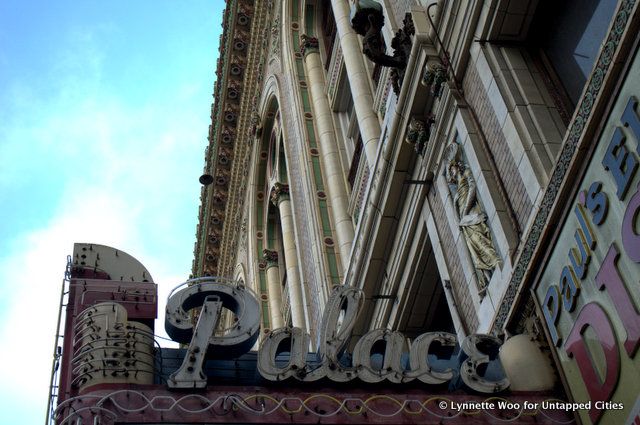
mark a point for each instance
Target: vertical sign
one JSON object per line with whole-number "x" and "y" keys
{"x": 589, "y": 291}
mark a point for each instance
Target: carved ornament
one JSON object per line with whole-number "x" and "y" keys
{"x": 270, "y": 256}
{"x": 435, "y": 75}
{"x": 280, "y": 192}
{"x": 418, "y": 133}
{"x": 367, "y": 21}
{"x": 308, "y": 44}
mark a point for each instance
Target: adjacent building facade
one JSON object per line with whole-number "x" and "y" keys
{"x": 469, "y": 167}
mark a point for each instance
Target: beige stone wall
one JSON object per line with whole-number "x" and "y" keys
{"x": 499, "y": 109}
{"x": 510, "y": 132}
{"x": 484, "y": 97}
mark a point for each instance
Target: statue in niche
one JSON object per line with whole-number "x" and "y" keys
{"x": 472, "y": 220}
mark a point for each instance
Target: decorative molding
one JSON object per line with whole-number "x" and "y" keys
{"x": 257, "y": 57}
{"x": 279, "y": 192}
{"x": 308, "y": 44}
{"x": 244, "y": 47}
{"x": 274, "y": 48}
{"x": 382, "y": 92}
{"x": 271, "y": 257}
{"x": 334, "y": 71}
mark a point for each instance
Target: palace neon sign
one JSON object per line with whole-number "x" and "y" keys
{"x": 335, "y": 329}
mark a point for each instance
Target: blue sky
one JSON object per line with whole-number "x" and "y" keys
{"x": 104, "y": 114}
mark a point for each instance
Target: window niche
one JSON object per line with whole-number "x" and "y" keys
{"x": 566, "y": 36}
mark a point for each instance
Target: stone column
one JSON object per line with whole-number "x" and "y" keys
{"x": 280, "y": 198}
{"x": 329, "y": 149}
{"x": 358, "y": 80}
{"x": 274, "y": 287}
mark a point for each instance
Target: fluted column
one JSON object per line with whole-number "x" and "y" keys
{"x": 329, "y": 149}
{"x": 274, "y": 287}
{"x": 358, "y": 81}
{"x": 280, "y": 198}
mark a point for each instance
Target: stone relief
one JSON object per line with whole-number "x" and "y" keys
{"x": 279, "y": 192}
{"x": 274, "y": 49}
{"x": 367, "y": 21}
{"x": 418, "y": 132}
{"x": 471, "y": 218}
{"x": 434, "y": 76}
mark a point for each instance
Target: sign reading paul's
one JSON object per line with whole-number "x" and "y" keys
{"x": 589, "y": 291}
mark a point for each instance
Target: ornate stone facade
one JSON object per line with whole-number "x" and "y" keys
{"x": 444, "y": 232}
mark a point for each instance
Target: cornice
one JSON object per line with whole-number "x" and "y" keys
{"x": 248, "y": 124}
{"x": 238, "y": 78}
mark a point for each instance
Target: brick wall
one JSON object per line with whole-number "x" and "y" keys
{"x": 492, "y": 129}
{"x": 459, "y": 283}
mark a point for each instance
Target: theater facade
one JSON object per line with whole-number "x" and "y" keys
{"x": 411, "y": 212}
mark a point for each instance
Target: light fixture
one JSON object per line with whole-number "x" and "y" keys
{"x": 206, "y": 179}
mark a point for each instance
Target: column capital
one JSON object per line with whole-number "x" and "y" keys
{"x": 279, "y": 192}
{"x": 271, "y": 257}
{"x": 308, "y": 44}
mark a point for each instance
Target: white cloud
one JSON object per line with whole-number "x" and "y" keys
{"x": 32, "y": 278}
{"x": 128, "y": 179}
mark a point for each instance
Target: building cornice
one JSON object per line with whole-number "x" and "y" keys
{"x": 238, "y": 80}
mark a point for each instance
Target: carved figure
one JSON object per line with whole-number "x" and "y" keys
{"x": 418, "y": 133}
{"x": 367, "y": 19}
{"x": 435, "y": 75}
{"x": 472, "y": 222}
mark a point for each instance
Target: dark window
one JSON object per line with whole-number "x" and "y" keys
{"x": 568, "y": 35}
{"x": 375, "y": 75}
{"x": 353, "y": 170}
{"x": 329, "y": 31}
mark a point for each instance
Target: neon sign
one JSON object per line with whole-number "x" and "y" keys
{"x": 335, "y": 329}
